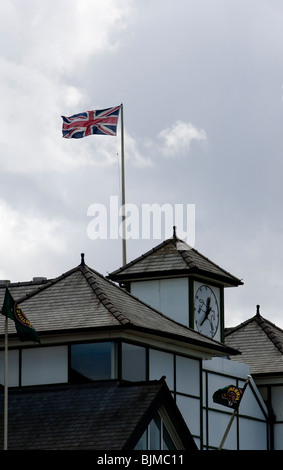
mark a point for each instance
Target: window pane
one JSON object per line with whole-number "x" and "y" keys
{"x": 45, "y": 365}
{"x": 161, "y": 363}
{"x": 94, "y": 361}
{"x": 13, "y": 367}
{"x": 133, "y": 362}
{"x": 190, "y": 409}
{"x": 187, "y": 375}
{"x": 277, "y": 404}
{"x": 154, "y": 429}
{"x": 142, "y": 443}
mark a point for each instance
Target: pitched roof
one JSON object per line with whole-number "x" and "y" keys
{"x": 100, "y": 415}
{"x": 261, "y": 345}
{"x": 173, "y": 257}
{"x": 83, "y": 299}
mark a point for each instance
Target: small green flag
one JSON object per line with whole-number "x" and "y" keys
{"x": 24, "y": 328}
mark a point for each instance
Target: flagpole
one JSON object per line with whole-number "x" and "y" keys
{"x": 124, "y": 254}
{"x": 232, "y": 417}
{"x": 6, "y": 387}
{"x": 227, "y": 429}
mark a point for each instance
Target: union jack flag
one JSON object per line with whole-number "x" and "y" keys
{"x": 103, "y": 121}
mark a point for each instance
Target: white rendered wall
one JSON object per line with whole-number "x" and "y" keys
{"x": 169, "y": 296}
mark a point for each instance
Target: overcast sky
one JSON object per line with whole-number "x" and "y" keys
{"x": 201, "y": 86}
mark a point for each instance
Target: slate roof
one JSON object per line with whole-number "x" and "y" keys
{"x": 173, "y": 257}
{"x": 97, "y": 416}
{"x": 261, "y": 345}
{"x": 82, "y": 300}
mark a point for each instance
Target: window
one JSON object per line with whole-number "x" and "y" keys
{"x": 45, "y": 365}
{"x": 13, "y": 367}
{"x": 161, "y": 363}
{"x": 277, "y": 405}
{"x": 156, "y": 436}
{"x": 155, "y": 433}
{"x": 93, "y": 361}
{"x": 187, "y": 376}
{"x": 133, "y": 362}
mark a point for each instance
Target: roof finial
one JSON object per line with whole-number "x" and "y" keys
{"x": 82, "y": 259}
{"x": 257, "y": 309}
{"x": 174, "y": 232}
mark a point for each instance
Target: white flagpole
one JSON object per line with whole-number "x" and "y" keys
{"x": 124, "y": 254}
{"x": 227, "y": 430}
{"x": 6, "y": 387}
{"x": 232, "y": 417}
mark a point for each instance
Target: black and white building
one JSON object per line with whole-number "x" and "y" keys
{"x": 130, "y": 361}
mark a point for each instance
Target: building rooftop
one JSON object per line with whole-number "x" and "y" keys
{"x": 96, "y": 416}
{"x": 261, "y": 345}
{"x": 173, "y": 257}
{"x": 83, "y": 300}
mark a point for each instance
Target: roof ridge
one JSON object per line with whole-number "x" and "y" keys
{"x": 213, "y": 262}
{"x": 266, "y": 326}
{"x": 186, "y": 257}
{"x": 92, "y": 283}
{"x": 89, "y": 275}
